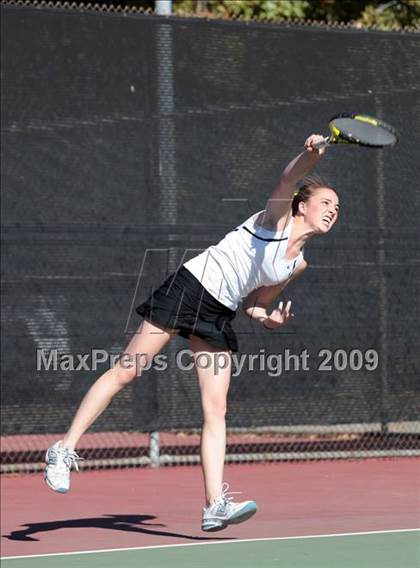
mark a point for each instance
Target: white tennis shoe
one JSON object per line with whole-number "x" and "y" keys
{"x": 59, "y": 462}
{"x": 223, "y": 512}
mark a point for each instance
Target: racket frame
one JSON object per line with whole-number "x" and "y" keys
{"x": 338, "y": 137}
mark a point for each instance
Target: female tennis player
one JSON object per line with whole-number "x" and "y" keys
{"x": 253, "y": 264}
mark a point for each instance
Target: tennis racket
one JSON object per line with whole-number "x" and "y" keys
{"x": 359, "y": 129}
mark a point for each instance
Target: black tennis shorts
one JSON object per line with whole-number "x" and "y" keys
{"x": 184, "y": 305}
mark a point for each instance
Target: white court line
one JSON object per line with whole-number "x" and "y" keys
{"x": 227, "y": 541}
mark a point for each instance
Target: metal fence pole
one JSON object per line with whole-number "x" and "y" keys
{"x": 163, "y": 7}
{"x": 167, "y": 158}
{"x": 154, "y": 449}
{"x": 382, "y": 291}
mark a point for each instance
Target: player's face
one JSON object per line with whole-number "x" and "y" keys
{"x": 321, "y": 210}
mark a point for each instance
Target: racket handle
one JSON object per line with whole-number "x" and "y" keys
{"x": 323, "y": 143}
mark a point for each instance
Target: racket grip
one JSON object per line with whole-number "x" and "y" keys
{"x": 323, "y": 143}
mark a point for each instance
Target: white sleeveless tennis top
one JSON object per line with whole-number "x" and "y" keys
{"x": 245, "y": 259}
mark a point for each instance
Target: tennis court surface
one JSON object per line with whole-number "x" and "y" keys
{"x": 347, "y": 514}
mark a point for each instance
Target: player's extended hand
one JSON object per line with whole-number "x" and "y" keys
{"x": 279, "y": 316}
{"x": 313, "y": 139}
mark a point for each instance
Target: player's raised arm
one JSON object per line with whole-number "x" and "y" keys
{"x": 279, "y": 203}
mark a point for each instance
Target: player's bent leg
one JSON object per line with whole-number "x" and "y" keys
{"x": 61, "y": 457}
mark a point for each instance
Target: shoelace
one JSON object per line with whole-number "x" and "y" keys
{"x": 69, "y": 457}
{"x": 225, "y": 498}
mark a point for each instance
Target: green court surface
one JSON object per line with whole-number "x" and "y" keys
{"x": 391, "y": 549}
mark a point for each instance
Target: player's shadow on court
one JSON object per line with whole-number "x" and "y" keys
{"x": 129, "y": 523}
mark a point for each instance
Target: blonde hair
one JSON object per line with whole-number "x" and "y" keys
{"x": 307, "y": 188}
